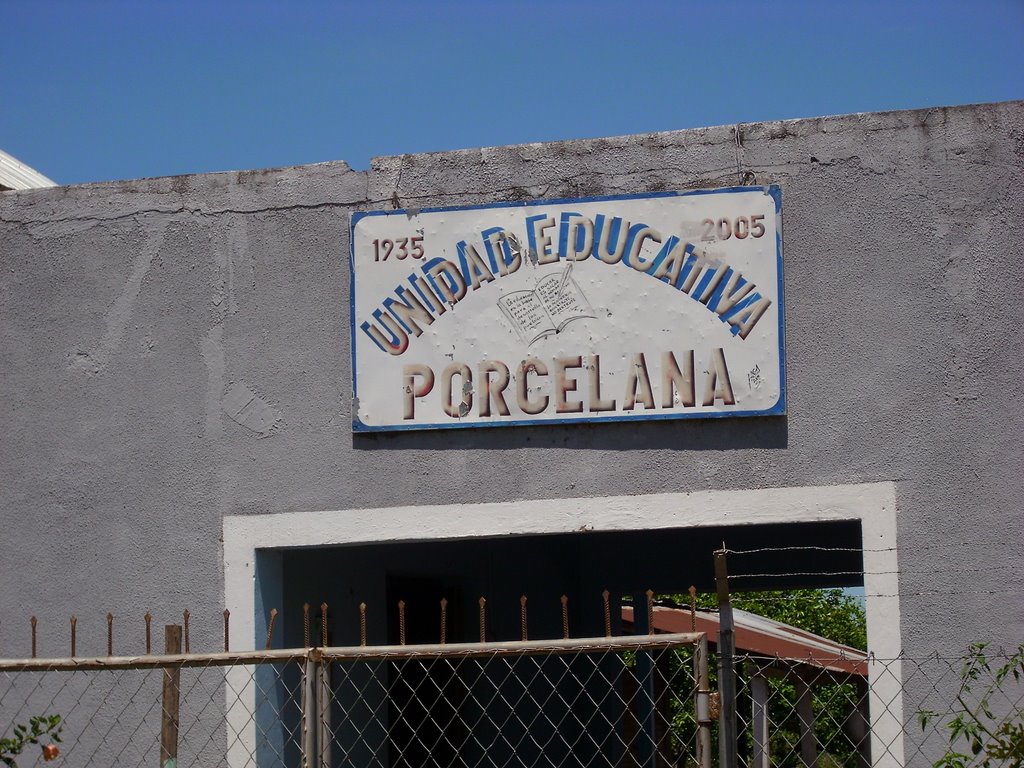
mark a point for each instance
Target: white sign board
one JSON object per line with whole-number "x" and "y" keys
{"x": 657, "y": 306}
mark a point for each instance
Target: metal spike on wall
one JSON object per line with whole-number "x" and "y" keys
{"x": 693, "y": 608}
{"x": 444, "y": 619}
{"x": 270, "y": 628}
{"x": 401, "y": 622}
{"x": 323, "y": 625}
{"x": 522, "y": 617}
{"x": 362, "y": 624}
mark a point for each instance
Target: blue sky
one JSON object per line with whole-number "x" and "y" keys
{"x": 93, "y": 91}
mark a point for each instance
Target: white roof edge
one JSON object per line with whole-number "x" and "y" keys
{"x": 17, "y": 175}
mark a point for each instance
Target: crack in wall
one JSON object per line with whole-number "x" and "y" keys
{"x": 183, "y": 209}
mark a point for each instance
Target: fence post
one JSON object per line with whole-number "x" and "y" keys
{"x": 646, "y": 713}
{"x": 859, "y": 723}
{"x": 171, "y": 700}
{"x": 323, "y": 705}
{"x": 805, "y": 714}
{"x": 703, "y": 707}
{"x": 759, "y": 719}
{"x": 727, "y": 739}
{"x": 309, "y": 715}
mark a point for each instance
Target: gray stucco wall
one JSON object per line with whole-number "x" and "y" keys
{"x": 136, "y": 318}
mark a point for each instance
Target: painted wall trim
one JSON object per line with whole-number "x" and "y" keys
{"x": 873, "y": 504}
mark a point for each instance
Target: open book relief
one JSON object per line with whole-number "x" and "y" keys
{"x": 546, "y": 310}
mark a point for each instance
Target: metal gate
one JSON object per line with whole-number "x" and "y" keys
{"x": 622, "y": 701}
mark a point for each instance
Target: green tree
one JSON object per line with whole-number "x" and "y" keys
{"x": 829, "y": 613}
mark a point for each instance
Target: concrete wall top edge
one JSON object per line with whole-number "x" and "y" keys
{"x": 896, "y": 119}
{"x": 184, "y": 184}
{"x": 387, "y": 164}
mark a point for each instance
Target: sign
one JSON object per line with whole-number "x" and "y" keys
{"x": 656, "y": 306}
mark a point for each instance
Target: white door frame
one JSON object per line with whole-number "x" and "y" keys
{"x": 872, "y": 504}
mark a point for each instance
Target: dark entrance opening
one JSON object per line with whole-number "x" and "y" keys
{"x": 415, "y": 716}
{"x": 424, "y": 697}
{"x": 544, "y": 567}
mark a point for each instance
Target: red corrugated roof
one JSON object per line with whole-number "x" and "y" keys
{"x": 765, "y": 637}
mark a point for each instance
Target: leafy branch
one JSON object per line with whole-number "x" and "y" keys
{"x": 38, "y": 728}
{"x": 994, "y": 742}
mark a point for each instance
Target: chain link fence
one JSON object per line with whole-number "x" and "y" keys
{"x": 625, "y": 701}
{"x": 628, "y": 701}
{"x": 882, "y": 712}
{"x": 793, "y": 714}
{"x": 199, "y": 710}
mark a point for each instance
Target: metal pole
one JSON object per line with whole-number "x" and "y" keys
{"x": 324, "y": 729}
{"x": 647, "y": 741}
{"x": 700, "y": 661}
{"x": 759, "y": 719}
{"x": 805, "y": 714}
{"x": 859, "y": 723}
{"x": 309, "y": 718}
{"x": 513, "y": 648}
{"x": 727, "y": 731}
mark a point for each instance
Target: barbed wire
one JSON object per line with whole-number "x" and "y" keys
{"x": 921, "y": 593}
{"x": 898, "y": 571}
{"x": 905, "y": 548}
{"x": 793, "y": 598}
{"x": 792, "y": 549}
{"x": 735, "y": 576}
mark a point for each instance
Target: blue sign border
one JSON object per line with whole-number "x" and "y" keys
{"x": 779, "y": 409}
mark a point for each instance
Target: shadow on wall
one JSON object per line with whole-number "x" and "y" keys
{"x": 671, "y": 434}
